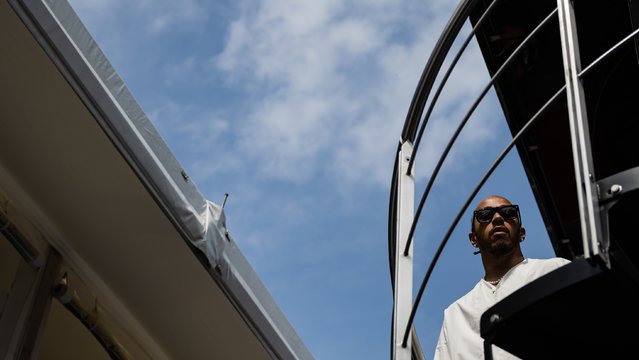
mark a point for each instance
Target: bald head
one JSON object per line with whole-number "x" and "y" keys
{"x": 491, "y": 199}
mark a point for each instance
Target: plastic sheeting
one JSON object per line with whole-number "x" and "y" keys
{"x": 201, "y": 222}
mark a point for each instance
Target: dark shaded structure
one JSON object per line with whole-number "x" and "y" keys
{"x": 578, "y": 311}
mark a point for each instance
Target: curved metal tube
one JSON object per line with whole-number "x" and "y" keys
{"x": 392, "y": 223}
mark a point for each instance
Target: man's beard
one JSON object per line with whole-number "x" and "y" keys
{"x": 502, "y": 246}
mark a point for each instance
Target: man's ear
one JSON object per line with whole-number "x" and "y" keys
{"x": 472, "y": 238}
{"x": 522, "y": 233}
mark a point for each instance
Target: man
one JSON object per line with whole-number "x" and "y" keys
{"x": 496, "y": 232}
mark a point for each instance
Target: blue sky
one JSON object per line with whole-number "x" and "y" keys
{"x": 295, "y": 108}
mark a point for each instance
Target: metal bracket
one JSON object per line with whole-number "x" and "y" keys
{"x": 615, "y": 186}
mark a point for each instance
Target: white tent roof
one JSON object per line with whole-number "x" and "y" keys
{"x": 84, "y": 164}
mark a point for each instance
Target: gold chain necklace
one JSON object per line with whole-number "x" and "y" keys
{"x": 495, "y": 282}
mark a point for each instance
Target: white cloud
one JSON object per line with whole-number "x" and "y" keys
{"x": 354, "y": 37}
{"x": 283, "y": 135}
{"x": 297, "y": 46}
{"x": 339, "y": 77}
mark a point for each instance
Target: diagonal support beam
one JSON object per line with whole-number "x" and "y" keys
{"x": 21, "y": 324}
{"x": 593, "y": 242}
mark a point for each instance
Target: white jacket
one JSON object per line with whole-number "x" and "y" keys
{"x": 459, "y": 338}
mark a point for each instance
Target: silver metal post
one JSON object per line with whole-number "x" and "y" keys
{"x": 403, "y": 291}
{"x": 593, "y": 242}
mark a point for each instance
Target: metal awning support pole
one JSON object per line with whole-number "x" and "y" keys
{"x": 593, "y": 242}
{"x": 403, "y": 290}
{"x": 25, "y": 313}
{"x": 12, "y": 315}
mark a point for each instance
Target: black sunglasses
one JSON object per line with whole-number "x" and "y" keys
{"x": 508, "y": 212}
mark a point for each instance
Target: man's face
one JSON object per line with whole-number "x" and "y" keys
{"x": 499, "y": 235}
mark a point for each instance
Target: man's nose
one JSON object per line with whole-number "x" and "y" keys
{"x": 497, "y": 218}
